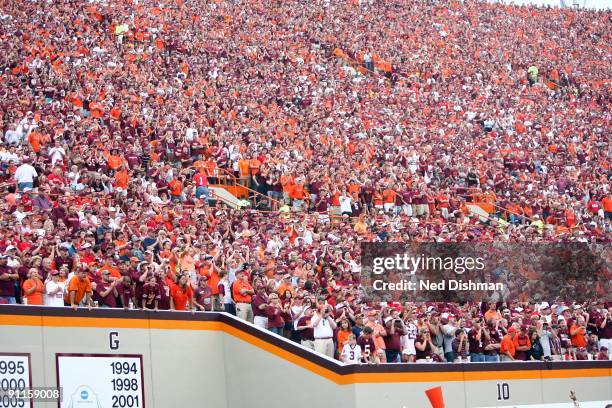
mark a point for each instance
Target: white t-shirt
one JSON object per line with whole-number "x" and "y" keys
{"x": 25, "y": 174}
{"x": 323, "y": 329}
{"x": 407, "y": 340}
{"x": 56, "y": 299}
{"x": 346, "y": 204}
{"x": 351, "y": 354}
{"x": 56, "y": 154}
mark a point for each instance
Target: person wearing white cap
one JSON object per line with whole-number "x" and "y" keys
{"x": 448, "y": 330}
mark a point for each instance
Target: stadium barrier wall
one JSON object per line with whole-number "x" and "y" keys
{"x": 215, "y": 360}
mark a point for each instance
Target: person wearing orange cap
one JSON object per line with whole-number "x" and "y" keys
{"x": 507, "y": 350}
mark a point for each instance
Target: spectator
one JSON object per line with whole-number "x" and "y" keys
{"x": 323, "y": 326}
{"x": 351, "y": 352}
{"x": 25, "y": 175}
{"x": 7, "y": 278}
{"x": 242, "y": 294}
{"x": 460, "y": 345}
{"x": 448, "y": 329}
{"x": 55, "y": 290}
{"x": 181, "y": 294}
{"x": 522, "y": 344}
{"x": 507, "y": 348}
{"x": 33, "y": 289}
{"x": 79, "y": 290}
{"x": 305, "y": 330}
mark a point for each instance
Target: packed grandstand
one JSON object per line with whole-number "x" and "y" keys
{"x": 338, "y": 122}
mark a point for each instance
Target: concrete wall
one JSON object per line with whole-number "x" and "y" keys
{"x": 214, "y": 361}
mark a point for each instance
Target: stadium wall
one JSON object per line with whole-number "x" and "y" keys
{"x": 215, "y": 360}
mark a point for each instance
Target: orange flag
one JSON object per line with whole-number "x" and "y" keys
{"x": 435, "y": 397}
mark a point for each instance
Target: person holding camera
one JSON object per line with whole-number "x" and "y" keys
{"x": 393, "y": 345}
{"x": 324, "y": 325}
{"x": 460, "y": 345}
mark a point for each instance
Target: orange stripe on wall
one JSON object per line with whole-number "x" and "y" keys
{"x": 357, "y": 378}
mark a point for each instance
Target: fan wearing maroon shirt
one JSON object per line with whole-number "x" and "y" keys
{"x": 135, "y": 273}
{"x": 424, "y": 345}
{"x": 151, "y": 294}
{"x": 604, "y": 326}
{"x": 7, "y": 282}
{"x": 305, "y": 330}
{"x": 164, "y": 291}
{"x": 476, "y": 339}
{"x": 105, "y": 292}
{"x": 202, "y": 295}
{"x": 492, "y": 341}
{"x": 274, "y": 311}
{"x": 366, "y": 342}
{"x": 126, "y": 292}
{"x": 260, "y": 306}
{"x": 393, "y": 345}
{"x": 63, "y": 258}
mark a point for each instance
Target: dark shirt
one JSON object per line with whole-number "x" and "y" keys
{"x": 392, "y": 341}
{"x": 7, "y": 288}
{"x": 259, "y": 300}
{"x": 202, "y": 296}
{"x": 476, "y": 346}
{"x": 308, "y": 333}
{"x": 164, "y": 296}
{"x": 109, "y": 300}
{"x": 150, "y": 293}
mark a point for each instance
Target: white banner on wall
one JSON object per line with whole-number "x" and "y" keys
{"x": 15, "y": 379}
{"x": 582, "y": 404}
{"x": 101, "y": 380}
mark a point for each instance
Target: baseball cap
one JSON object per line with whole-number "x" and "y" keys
{"x": 512, "y": 330}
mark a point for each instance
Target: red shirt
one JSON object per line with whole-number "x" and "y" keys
{"x": 180, "y": 296}
{"x": 200, "y": 180}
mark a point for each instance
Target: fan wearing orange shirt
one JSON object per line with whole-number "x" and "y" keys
{"x": 578, "y": 333}
{"x": 113, "y": 159}
{"x": 181, "y": 294}
{"x": 121, "y": 180}
{"x": 211, "y": 271}
{"x": 35, "y": 139}
{"x": 33, "y": 288}
{"x": 79, "y": 290}
{"x": 298, "y": 194}
{"x": 389, "y": 195}
{"x": 607, "y": 206}
{"x": 507, "y": 349}
{"x": 378, "y": 200}
{"x": 176, "y": 189}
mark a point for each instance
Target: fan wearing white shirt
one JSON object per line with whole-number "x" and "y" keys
{"x": 346, "y": 204}
{"x": 25, "y": 174}
{"x": 324, "y": 326}
{"x": 54, "y": 290}
{"x": 56, "y": 153}
{"x": 351, "y": 352}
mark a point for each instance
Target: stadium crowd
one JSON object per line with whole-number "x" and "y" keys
{"x": 350, "y": 121}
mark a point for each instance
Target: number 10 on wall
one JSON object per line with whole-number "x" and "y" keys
{"x": 503, "y": 391}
